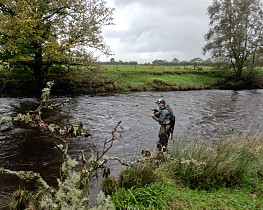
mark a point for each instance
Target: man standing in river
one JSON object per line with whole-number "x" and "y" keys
{"x": 164, "y": 116}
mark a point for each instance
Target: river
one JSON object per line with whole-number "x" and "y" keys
{"x": 206, "y": 114}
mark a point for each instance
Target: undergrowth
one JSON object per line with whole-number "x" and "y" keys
{"x": 197, "y": 175}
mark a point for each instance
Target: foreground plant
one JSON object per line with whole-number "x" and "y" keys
{"x": 196, "y": 175}
{"x": 73, "y": 186}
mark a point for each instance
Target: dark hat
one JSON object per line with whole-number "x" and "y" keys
{"x": 160, "y": 101}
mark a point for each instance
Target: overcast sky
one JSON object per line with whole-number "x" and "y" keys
{"x": 146, "y": 30}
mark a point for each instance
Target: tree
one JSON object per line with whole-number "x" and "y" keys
{"x": 132, "y": 63}
{"x": 197, "y": 60}
{"x": 236, "y": 31}
{"x": 175, "y": 60}
{"x": 160, "y": 62}
{"x": 36, "y": 34}
{"x": 112, "y": 60}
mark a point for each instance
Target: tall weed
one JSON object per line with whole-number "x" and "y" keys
{"x": 229, "y": 163}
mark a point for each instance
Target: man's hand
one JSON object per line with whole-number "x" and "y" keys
{"x": 151, "y": 115}
{"x": 152, "y": 109}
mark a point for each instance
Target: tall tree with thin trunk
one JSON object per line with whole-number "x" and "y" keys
{"x": 36, "y": 34}
{"x": 236, "y": 32}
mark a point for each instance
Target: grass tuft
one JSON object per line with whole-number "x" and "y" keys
{"x": 138, "y": 177}
{"x": 230, "y": 163}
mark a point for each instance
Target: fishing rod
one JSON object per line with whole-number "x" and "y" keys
{"x": 142, "y": 103}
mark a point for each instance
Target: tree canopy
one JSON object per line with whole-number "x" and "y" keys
{"x": 37, "y": 34}
{"x": 236, "y": 32}
{"x": 197, "y": 60}
{"x": 175, "y": 60}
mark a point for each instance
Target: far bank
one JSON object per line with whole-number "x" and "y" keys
{"x": 108, "y": 79}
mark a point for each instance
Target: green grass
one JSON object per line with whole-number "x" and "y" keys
{"x": 174, "y": 78}
{"x": 141, "y": 69}
{"x": 150, "y": 68}
{"x": 170, "y": 196}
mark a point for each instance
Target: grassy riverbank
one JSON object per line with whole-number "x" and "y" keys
{"x": 228, "y": 175}
{"x": 161, "y": 78}
{"x": 130, "y": 78}
{"x": 116, "y": 79}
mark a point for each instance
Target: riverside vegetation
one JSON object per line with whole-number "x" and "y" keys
{"x": 195, "y": 175}
{"x": 98, "y": 79}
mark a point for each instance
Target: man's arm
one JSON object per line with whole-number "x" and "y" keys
{"x": 162, "y": 116}
{"x": 155, "y": 110}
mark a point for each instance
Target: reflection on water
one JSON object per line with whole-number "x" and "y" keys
{"x": 199, "y": 114}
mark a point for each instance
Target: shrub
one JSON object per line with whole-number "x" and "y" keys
{"x": 138, "y": 177}
{"x": 109, "y": 186}
{"x": 254, "y": 79}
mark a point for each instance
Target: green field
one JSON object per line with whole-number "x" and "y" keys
{"x": 140, "y": 77}
{"x": 129, "y": 78}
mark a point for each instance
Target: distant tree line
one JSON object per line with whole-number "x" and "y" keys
{"x": 159, "y": 62}
{"x": 112, "y": 61}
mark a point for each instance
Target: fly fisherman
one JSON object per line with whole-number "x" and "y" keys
{"x": 165, "y": 118}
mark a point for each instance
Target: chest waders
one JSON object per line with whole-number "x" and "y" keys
{"x": 165, "y": 131}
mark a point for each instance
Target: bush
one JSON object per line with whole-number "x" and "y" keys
{"x": 109, "y": 186}
{"x": 254, "y": 79}
{"x": 138, "y": 177}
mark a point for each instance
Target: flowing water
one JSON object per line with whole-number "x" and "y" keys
{"x": 207, "y": 114}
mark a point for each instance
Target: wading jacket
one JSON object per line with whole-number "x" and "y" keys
{"x": 164, "y": 115}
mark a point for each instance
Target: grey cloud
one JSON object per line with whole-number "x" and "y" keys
{"x": 161, "y": 26}
{"x": 178, "y": 7}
